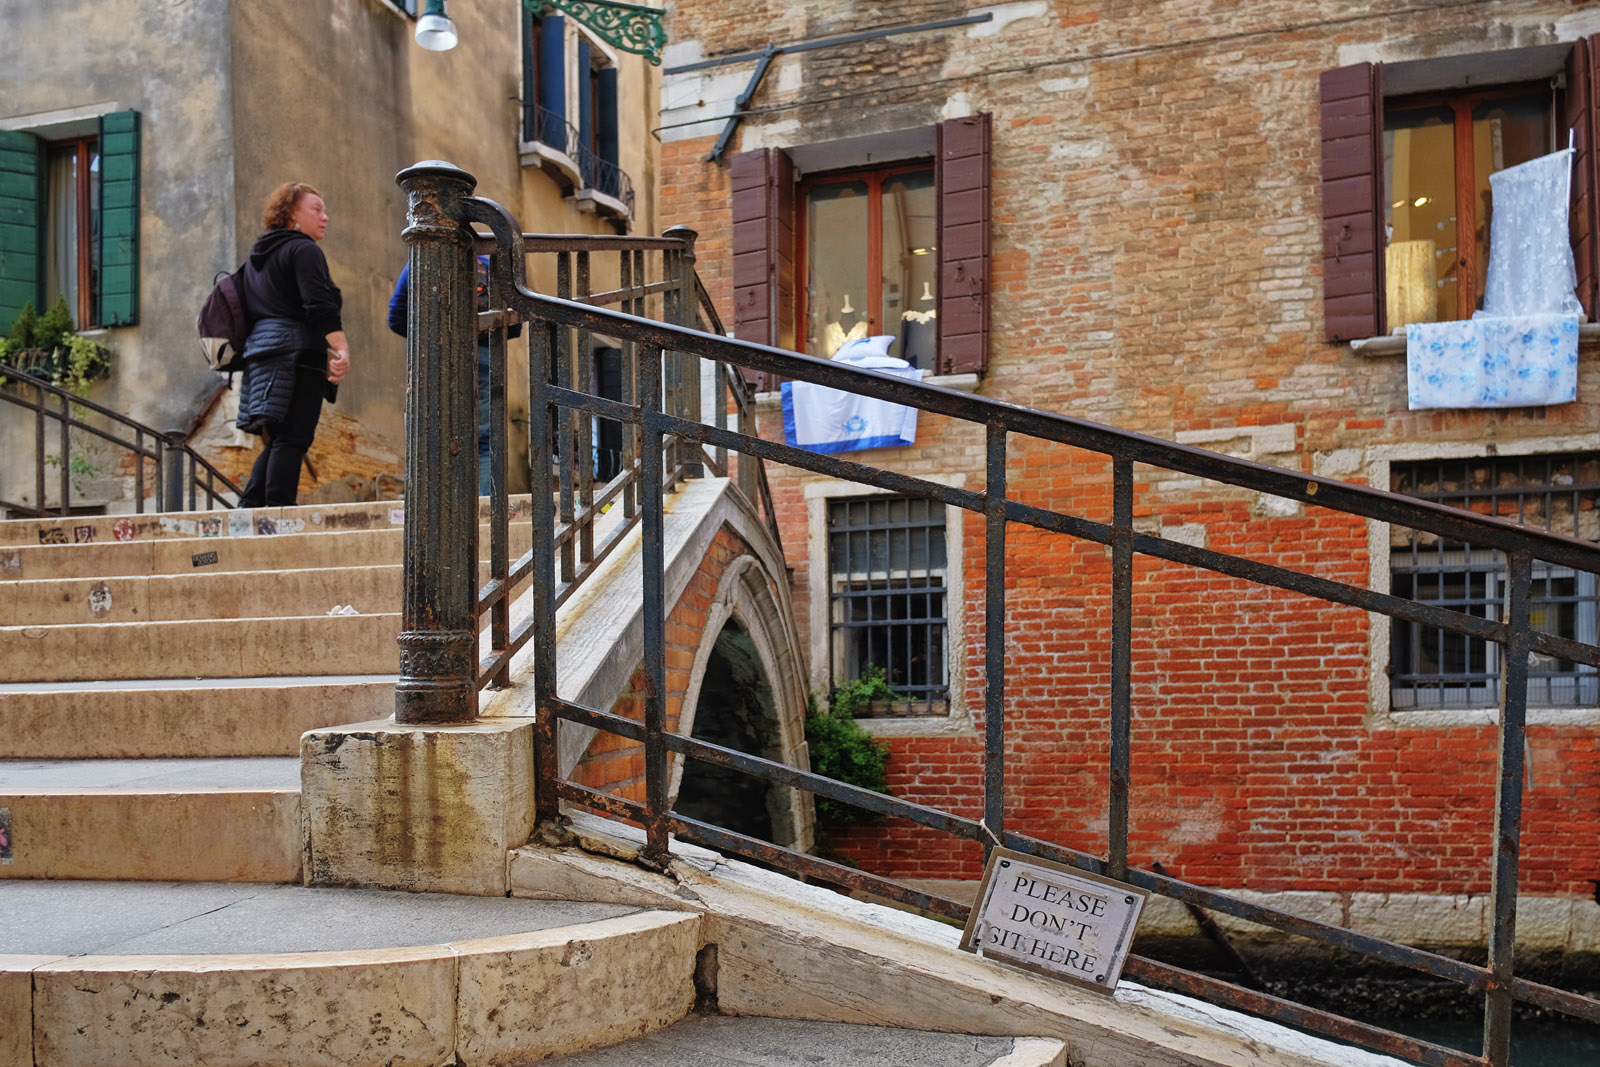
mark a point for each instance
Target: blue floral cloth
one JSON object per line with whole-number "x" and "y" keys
{"x": 1493, "y": 362}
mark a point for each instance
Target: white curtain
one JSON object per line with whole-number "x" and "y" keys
{"x": 61, "y": 244}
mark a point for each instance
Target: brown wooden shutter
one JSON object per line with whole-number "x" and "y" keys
{"x": 1352, "y": 214}
{"x": 1582, "y": 116}
{"x": 962, "y": 178}
{"x": 762, "y": 181}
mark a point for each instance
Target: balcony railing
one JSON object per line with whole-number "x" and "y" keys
{"x": 164, "y": 469}
{"x": 552, "y": 129}
{"x": 441, "y": 676}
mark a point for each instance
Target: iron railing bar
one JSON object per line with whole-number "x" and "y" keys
{"x": 652, "y": 558}
{"x": 534, "y": 243}
{"x": 499, "y": 499}
{"x": 1121, "y": 663}
{"x": 709, "y": 836}
{"x": 1217, "y": 991}
{"x": 615, "y": 806}
{"x": 1508, "y": 815}
{"x": 1574, "y": 1004}
{"x": 66, "y": 463}
{"x": 1145, "y": 544}
{"x": 565, "y": 420}
{"x": 541, "y": 622}
{"x": 994, "y": 643}
{"x": 1307, "y": 488}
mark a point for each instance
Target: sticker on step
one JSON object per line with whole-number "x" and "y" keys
{"x": 204, "y": 559}
{"x": 179, "y": 526}
{"x": 99, "y": 600}
{"x": 82, "y": 535}
{"x": 266, "y": 526}
{"x": 52, "y": 535}
{"x": 288, "y": 526}
{"x": 11, "y": 563}
{"x": 241, "y": 524}
{"x": 211, "y": 526}
{"x": 5, "y": 836}
{"x": 397, "y": 516}
{"x": 122, "y": 530}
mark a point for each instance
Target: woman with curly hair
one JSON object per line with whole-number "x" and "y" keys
{"x": 297, "y": 353}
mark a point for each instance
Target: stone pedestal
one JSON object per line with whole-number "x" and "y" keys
{"x": 420, "y": 808}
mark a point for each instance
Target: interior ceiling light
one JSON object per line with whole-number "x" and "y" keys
{"x": 1419, "y": 201}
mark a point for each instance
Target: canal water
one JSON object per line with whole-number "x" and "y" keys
{"x": 1534, "y": 1042}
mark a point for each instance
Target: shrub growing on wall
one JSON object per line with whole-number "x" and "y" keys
{"x": 841, "y": 749}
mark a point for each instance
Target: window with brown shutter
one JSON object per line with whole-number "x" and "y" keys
{"x": 1406, "y": 156}
{"x": 768, "y": 219}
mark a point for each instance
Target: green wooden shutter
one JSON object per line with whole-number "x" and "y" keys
{"x": 117, "y": 296}
{"x": 21, "y": 232}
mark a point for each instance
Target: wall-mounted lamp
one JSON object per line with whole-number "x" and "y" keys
{"x": 435, "y": 31}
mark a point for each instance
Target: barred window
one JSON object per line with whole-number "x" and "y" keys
{"x": 1430, "y": 668}
{"x": 886, "y": 564}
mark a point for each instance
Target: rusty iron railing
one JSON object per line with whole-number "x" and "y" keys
{"x": 178, "y": 478}
{"x": 442, "y": 210}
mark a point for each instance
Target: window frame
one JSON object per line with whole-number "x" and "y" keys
{"x": 844, "y": 589}
{"x": 1351, "y": 107}
{"x": 875, "y": 177}
{"x": 1462, "y": 103}
{"x": 84, "y": 209}
{"x": 818, "y": 493}
{"x": 1383, "y": 714}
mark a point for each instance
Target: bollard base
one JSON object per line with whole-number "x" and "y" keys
{"x": 420, "y": 808}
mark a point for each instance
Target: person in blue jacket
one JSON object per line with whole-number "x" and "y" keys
{"x": 398, "y": 303}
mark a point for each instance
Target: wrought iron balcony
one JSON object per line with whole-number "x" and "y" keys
{"x": 540, "y": 125}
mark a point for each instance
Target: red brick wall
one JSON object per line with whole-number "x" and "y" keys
{"x": 1157, "y": 263}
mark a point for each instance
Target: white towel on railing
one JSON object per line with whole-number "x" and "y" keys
{"x": 820, "y": 419}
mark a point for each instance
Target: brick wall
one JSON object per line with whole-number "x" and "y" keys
{"x": 1156, "y": 266}
{"x": 614, "y": 764}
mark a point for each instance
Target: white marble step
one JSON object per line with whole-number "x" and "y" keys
{"x": 136, "y": 974}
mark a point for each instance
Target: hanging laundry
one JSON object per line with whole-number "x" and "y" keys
{"x": 820, "y": 419}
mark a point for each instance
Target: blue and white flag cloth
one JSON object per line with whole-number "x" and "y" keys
{"x": 819, "y": 419}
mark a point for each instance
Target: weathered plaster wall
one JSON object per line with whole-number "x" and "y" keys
{"x": 169, "y": 60}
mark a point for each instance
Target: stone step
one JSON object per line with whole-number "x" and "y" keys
{"x": 164, "y": 719}
{"x": 202, "y": 595}
{"x": 136, "y": 974}
{"x": 209, "y": 648}
{"x": 216, "y": 820}
{"x": 722, "y": 1041}
{"x": 187, "y": 555}
{"x": 244, "y": 522}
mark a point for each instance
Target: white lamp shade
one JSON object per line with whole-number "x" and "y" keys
{"x": 436, "y": 33}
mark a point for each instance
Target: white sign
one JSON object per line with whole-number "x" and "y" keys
{"x": 1053, "y": 919}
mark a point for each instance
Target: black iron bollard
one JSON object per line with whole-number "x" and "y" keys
{"x": 172, "y": 443}
{"x": 439, "y": 624}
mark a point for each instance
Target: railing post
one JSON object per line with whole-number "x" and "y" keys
{"x": 1508, "y": 811}
{"x": 687, "y": 366}
{"x": 172, "y": 443}
{"x": 439, "y": 624}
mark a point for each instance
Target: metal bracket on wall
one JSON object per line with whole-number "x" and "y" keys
{"x": 767, "y": 54}
{"x": 630, "y": 27}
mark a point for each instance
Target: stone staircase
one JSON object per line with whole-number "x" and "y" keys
{"x": 159, "y": 671}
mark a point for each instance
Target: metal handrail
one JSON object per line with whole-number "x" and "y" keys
{"x": 662, "y": 431}
{"x": 168, "y": 452}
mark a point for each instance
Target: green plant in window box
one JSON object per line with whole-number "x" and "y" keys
{"x": 842, "y": 749}
{"x": 46, "y": 346}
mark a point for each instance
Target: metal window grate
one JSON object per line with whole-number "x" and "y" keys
{"x": 1430, "y": 668}
{"x": 886, "y": 566}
